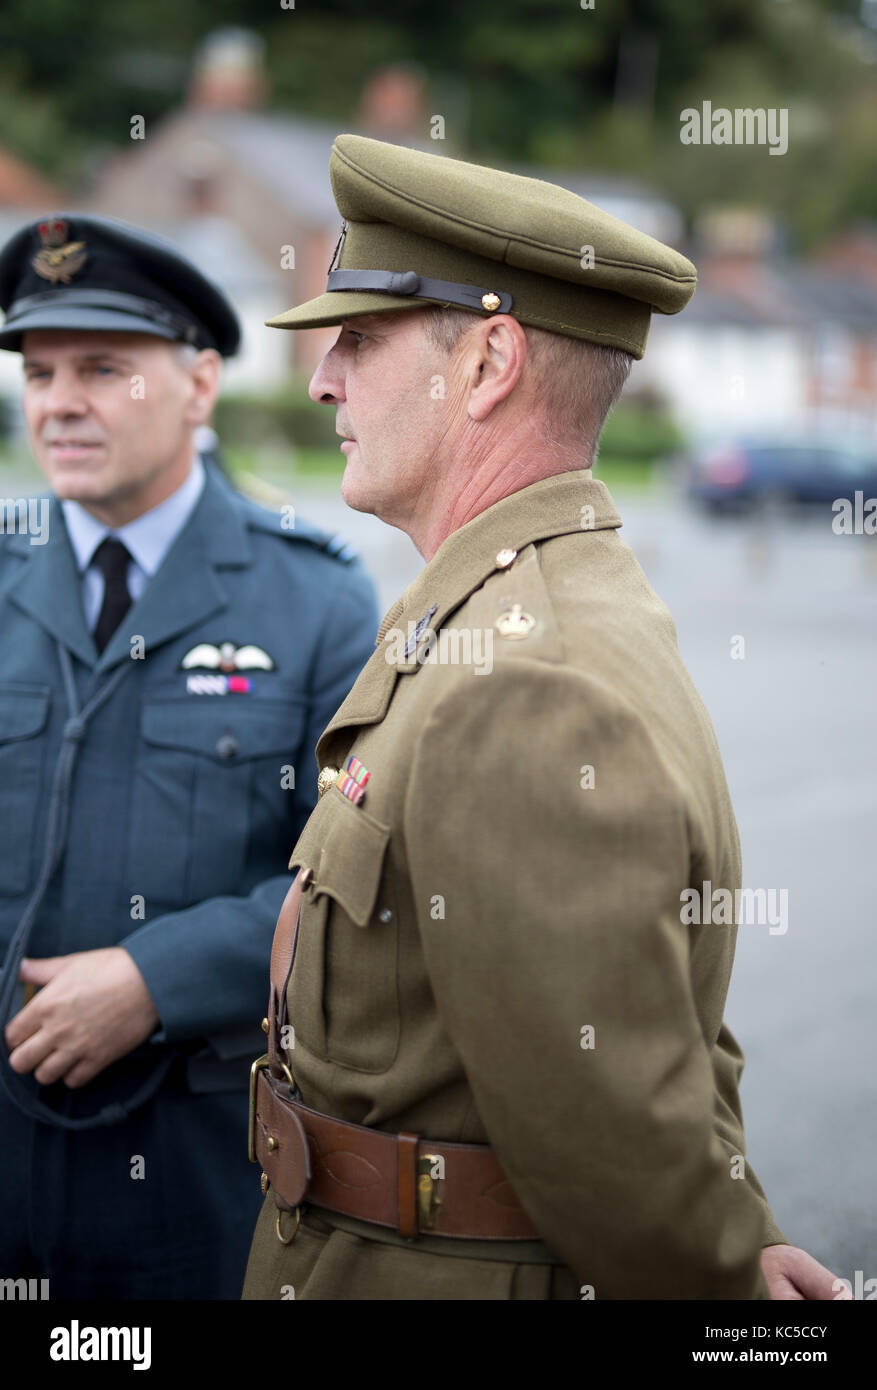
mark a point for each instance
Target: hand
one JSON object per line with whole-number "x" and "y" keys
{"x": 93, "y": 1007}
{"x": 791, "y": 1273}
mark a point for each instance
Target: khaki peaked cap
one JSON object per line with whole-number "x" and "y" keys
{"x": 410, "y": 216}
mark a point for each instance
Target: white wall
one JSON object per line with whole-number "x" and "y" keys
{"x": 727, "y": 378}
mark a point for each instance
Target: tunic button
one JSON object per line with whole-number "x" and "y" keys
{"x": 385, "y": 915}
{"x": 305, "y": 877}
{"x": 227, "y": 746}
{"x": 327, "y": 776}
{"x": 506, "y": 558}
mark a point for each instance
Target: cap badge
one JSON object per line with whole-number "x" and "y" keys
{"x": 351, "y": 782}
{"x": 58, "y": 259}
{"x": 226, "y": 657}
{"x": 514, "y": 623}
{"x": 490, "y": 302}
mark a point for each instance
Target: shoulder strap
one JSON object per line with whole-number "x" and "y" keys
{"x": 282, "y": 958}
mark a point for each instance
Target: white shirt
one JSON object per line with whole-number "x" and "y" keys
{"x": 148, "y": 538}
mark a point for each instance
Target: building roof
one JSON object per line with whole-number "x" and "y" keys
{"x": 784, "y": 294}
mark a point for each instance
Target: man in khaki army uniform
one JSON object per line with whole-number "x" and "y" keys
{"x": 498, "y": 1065}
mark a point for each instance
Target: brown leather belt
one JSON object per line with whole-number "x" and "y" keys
{"x": 402, "y": 1181}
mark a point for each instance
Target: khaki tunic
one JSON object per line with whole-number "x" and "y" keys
{"x": 493, "y": 949}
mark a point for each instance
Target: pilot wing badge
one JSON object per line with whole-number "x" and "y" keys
{"x": 228, "y": 660}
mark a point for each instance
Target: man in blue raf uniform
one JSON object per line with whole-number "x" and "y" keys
{"x": 171, "y": 653}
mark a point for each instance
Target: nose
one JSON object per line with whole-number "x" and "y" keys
{"x": 327, "y": 383}
{"x": 65, "y": 396}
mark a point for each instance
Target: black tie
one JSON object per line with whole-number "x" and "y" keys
{"x": 111, "y": 558}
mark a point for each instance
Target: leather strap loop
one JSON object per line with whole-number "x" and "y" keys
{"x": 406, "y": 1151}
{"x": 408, "y": 282}
{"x": 282, "y": 958}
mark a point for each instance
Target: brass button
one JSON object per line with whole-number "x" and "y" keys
{"x": 327, "y": 776}
{"x": 272, "y": 1144}
{"x": 227, "y": 746}
{"x": 264, "y": 1183}
{"x": 305, "y": 877}
{"x": 264, "y": 1025}
{"x": 490, "y": 302}
{"x": 505, "y": 558}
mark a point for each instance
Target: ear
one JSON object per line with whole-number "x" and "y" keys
{"x": 204, "y": 373}
{"x": 495, "y": 360}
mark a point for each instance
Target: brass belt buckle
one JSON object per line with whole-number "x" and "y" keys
{"x": 428, "y": 1198}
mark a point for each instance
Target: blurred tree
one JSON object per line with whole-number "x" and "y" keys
{"x": 548, "y": 82}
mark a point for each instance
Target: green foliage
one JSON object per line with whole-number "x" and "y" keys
{"x": 288, "y": 424}
{"x": 287, "y": 418}
{"x": 638, "y": 433}
{"x": 539, "y": 81}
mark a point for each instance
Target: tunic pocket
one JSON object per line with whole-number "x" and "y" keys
{"x": 207, "y": 791}
{"x": 343, "y": 994}
{"x": 24, "y": 710}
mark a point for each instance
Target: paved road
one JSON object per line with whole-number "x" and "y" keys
{"x": 795, "y": 719}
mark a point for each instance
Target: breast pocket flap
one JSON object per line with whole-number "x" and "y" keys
{"x": 346, "y": 853}
{"x": 23, "y": 711}
{"x": 222, "y": 729}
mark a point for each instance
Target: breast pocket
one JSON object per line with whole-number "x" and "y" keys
{"x": 208, "y": 791}
{"x": 343, "y": 995}
{"x": 24, "y": 710}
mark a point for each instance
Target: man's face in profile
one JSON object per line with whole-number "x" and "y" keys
{"x": 394, "y": 399}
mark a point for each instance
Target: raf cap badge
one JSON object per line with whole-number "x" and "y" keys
{"x": 57, "y": 259}
{"x": 351, "y": 782}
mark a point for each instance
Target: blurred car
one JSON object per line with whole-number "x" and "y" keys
{"x": 745, "y": 474}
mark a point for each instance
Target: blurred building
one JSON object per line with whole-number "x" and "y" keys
{"x": 221, "y": 170}
{"x": 769, "y": 344}
{"x": 245, "y": 193}
{"x": 24, "y": 193}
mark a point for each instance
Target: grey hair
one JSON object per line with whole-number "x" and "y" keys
{"x": 578, "y": 382}
{"x": 185, "y": 353}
